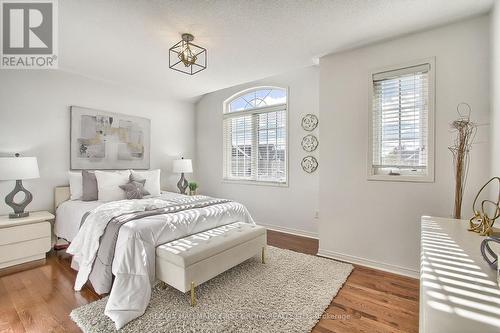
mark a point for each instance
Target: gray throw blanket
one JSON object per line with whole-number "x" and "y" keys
{"x": 101, "y": 275}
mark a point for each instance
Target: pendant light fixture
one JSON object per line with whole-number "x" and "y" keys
{"x": 187, "y": 57}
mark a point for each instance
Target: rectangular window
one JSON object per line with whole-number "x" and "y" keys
{"x": 402, "y": 115}
{"x": 271, "y": 139}
{"x": 255, "y": 144}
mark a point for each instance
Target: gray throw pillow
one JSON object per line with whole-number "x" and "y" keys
{"x": 131, "y": 179}
{"x": 140, "y": 180}
{"x": 137, "y": 179}
{"x": 89, "y": 186}
{"x": 134, "y": 189}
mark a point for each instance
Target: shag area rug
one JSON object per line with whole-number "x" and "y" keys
{"x": 287, "y": 294}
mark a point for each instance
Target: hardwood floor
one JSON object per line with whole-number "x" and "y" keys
{"x": 370, "y": 301}
{"x": 40, "y": 299}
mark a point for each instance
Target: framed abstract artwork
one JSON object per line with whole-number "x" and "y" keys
{"x": 105, "y": 140}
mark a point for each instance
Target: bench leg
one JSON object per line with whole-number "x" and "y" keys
{"x": 193, "y": 295}
{"x": 263, "y": 254}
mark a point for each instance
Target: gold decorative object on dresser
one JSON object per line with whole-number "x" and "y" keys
{"x": 486, "y": 214}
{"x": 24, "y": 240}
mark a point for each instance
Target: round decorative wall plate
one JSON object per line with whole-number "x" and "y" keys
{"x": 309, "y": 122}
{"x": 309, "y": 143}
{"x": 309, "y": 164}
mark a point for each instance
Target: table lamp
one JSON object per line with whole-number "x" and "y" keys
{"x": 18, "y": 168}
{"x": 182, "y": 166}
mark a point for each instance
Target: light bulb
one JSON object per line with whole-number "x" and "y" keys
{"x": 186, "y": 55}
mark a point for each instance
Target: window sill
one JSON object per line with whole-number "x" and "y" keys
{"x": 402, "y": 178}
{"x": 254, "y": 182}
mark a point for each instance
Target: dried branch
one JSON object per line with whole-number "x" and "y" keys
{"x": 465, "y": 135}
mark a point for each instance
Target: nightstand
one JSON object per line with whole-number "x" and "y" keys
{"x": 24, "y": 240}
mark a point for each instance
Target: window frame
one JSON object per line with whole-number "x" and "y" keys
{"x": 429, "y": 177}
{"x": 266, "y": 109}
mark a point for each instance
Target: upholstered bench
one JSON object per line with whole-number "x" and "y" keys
{"x": 188, "y": 262}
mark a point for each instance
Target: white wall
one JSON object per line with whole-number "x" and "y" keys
{"x": 378, "y": 223}
{"x": 289, "y": 208}
{"x": 35, "y": 121}
{"x": 495, "y": 93}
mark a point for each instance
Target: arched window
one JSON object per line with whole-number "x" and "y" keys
{"x": 255, "y": 135}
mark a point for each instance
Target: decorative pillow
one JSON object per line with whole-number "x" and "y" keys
{"x": 89, "y": 184}
{"x": 108, "y": 184}
{"x": 75, "y": 185}
{"x": 152, "y": 178}
{"x": 134, "y": 189}
{"x": 142, "y": 181}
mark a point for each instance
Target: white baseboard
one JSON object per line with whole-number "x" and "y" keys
{"x": 370, "y": 263}
{"x": 345, "y": 257}
{"x": 292, "y": 231}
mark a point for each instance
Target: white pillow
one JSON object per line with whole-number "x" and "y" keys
{"x": 108, "y": 184}
{"x": 75, "y": 185}
{"x": 152, "y": 180}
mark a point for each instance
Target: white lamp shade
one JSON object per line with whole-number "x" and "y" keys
{"x": 14, "y": 168}
{"x": 182, "y": 166}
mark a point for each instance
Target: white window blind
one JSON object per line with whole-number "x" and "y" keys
{"x": 255, "y": 136}
{"x": 400, "y": 122}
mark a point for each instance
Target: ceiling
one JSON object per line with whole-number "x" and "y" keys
{"x": 126, "y": 42}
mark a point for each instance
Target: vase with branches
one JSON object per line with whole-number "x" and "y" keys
{"x": 465, "y": 131}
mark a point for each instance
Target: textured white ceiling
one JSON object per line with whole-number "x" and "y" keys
{"x": 126, "y": 42}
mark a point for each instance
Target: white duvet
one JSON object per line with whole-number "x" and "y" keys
{"x": 134, "y": 261}
{"x": 69, "y": 215}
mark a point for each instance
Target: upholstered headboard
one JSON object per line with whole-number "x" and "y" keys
{"x": 61, "y": 194}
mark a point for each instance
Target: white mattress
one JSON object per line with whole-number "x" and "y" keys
{"x": 69, "y": 216}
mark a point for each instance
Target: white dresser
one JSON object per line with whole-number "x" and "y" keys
{"x": 458, "y": 289}
{"x": 24, "y": 239}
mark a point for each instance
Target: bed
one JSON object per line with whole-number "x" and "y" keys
{"x": 69, "y": 216}
{"x": 114, "y": 247}
{"x": 69, "y": 213}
